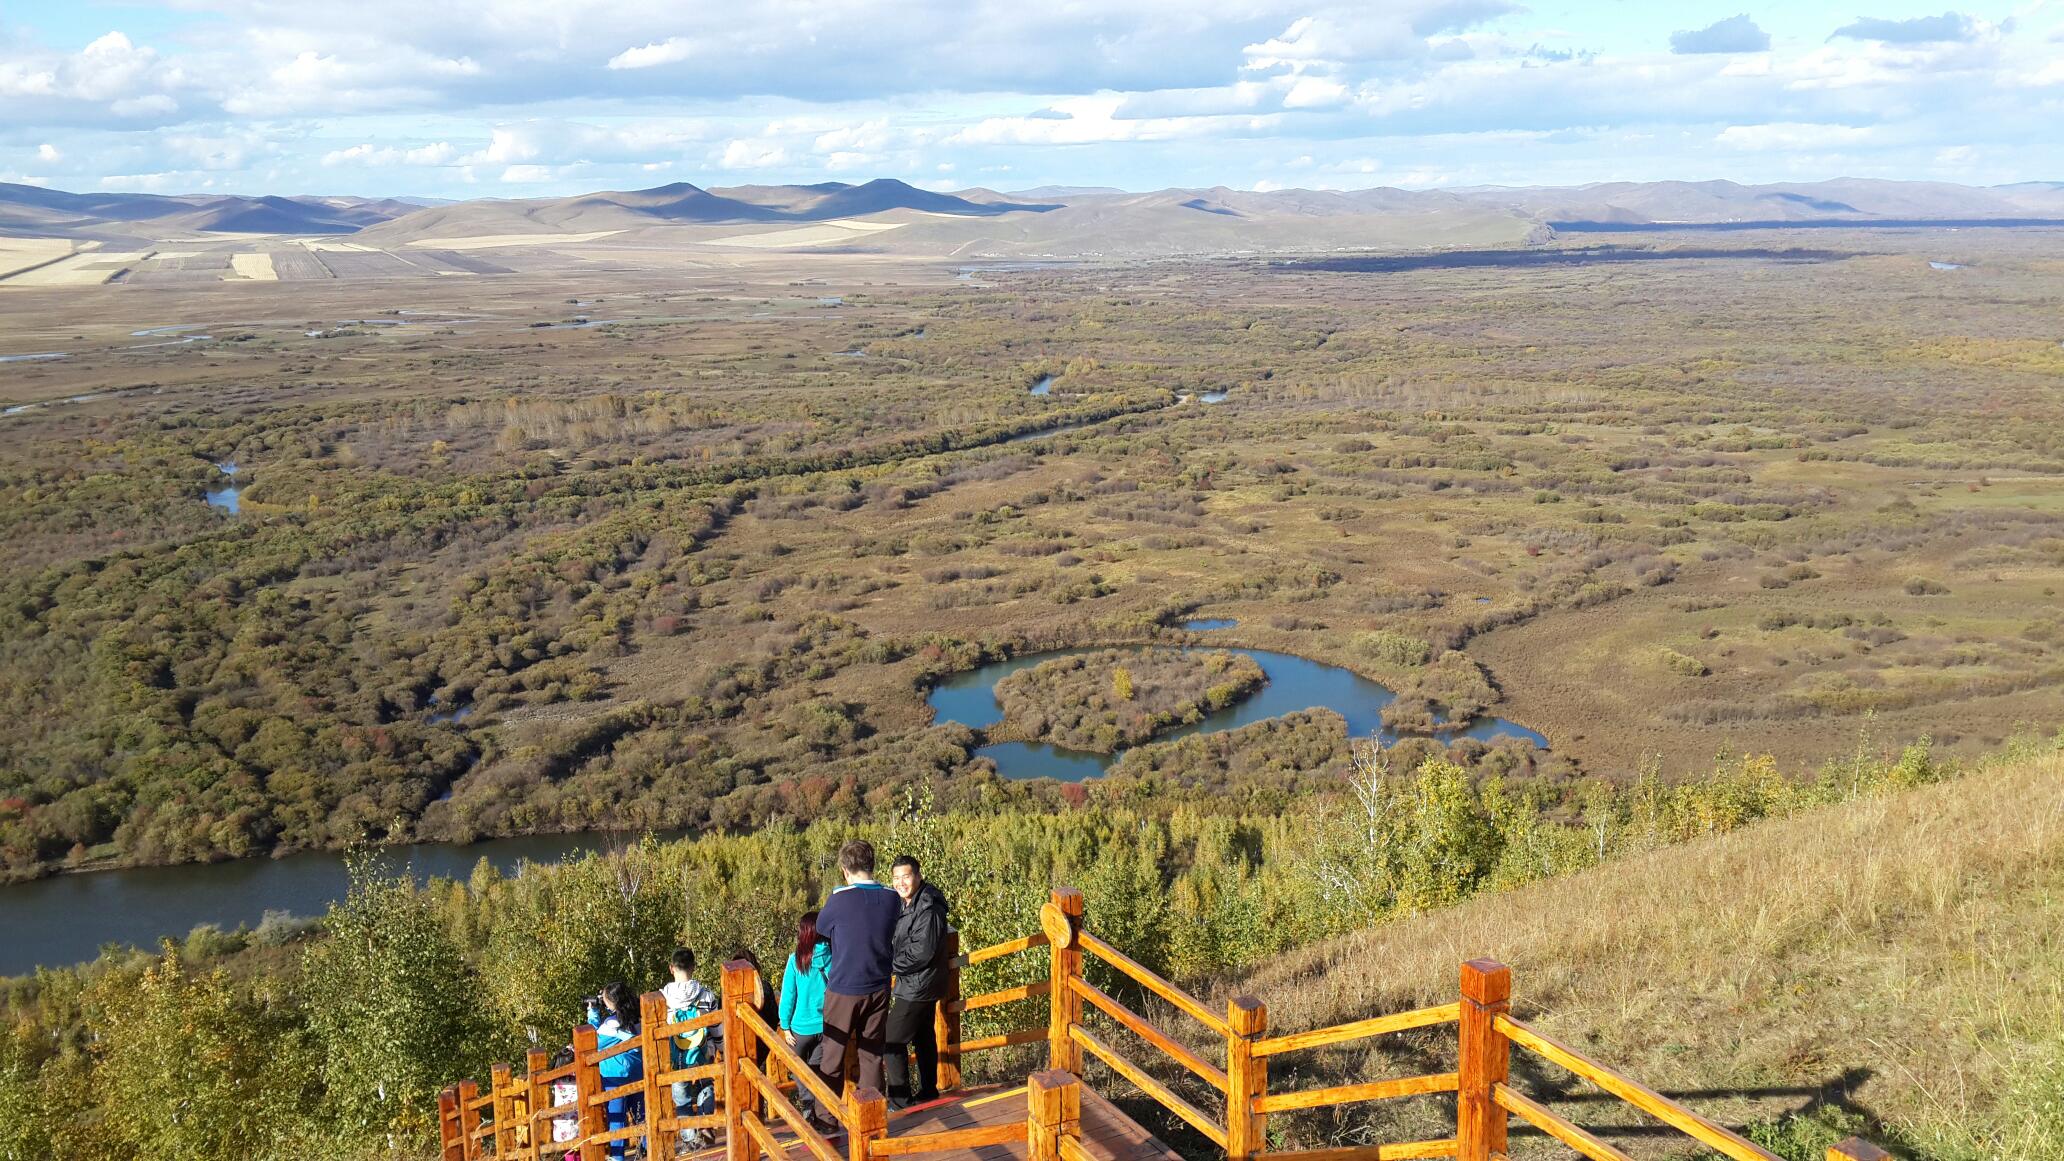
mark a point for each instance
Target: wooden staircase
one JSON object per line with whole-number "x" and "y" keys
{"x": 1054, "y": 1116}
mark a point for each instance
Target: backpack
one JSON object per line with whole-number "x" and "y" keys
{"x": 688, "y": 1044}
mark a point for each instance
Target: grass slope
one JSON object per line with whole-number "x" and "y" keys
{"x": 1893, "y": 966}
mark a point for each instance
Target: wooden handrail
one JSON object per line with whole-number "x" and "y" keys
{"x": 1139, "y": 1027}
{"x": 759, "y": 1132}
{"x": 616, "y": 1049}
{"x": 1147, "y": 979}
{"x": 691, "y": 1073}
{"x": 1001, "y": 996}
{"x": 999, "y": 950}
{"x": 980, "y": 1137}
{"x": 1409, "y": 1151}
{"x": 799, "y": 1124}
{"x": 1359, "y": 1029}
{"x": 628, "y": 1088}
{"x": 508, "y": 1121}
{"x": 1705, "y": 1132}
{"x": 1555, "y": 1125}
{"x": 706, "y": 1020}
{"x": 1001, "y": 1040}
{"x": 1377, "y": 1090}
{"x": 806, "y": 1076}
{"x": 1161, "y": 1093}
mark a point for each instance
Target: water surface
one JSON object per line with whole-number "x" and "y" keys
{"x": 67, "y": 918}
{"x": 1294, "y": 683}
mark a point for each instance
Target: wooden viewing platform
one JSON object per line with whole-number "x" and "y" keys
{"x": 1054, "y": 1116}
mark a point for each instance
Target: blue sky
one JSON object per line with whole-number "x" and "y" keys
{"x": 524, "y": 98}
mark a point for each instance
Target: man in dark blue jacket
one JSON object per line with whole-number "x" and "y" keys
{"x": 859, "y": 920}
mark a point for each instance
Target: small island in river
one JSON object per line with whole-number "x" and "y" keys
{"x": 1113, "y": 698}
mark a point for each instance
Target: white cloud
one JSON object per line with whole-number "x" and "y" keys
{"x": 406, "y": 97}
{"x": 47, "y": 153}
{"x": 438, "y": 153}
{"x": 672, "y": 50}
{"x": 1792, "y": 135}
{"x": 752, "y": 154}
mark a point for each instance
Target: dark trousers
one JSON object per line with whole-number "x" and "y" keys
{"x": 854, "y": 1022}
{"x": 910, "y": 1027}
{"x": 806, "y": 1047}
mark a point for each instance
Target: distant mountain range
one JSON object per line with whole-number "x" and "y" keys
{"x": 891, "y": 216}
{"x": 28, "y": 209}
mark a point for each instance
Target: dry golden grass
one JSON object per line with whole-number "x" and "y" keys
{"x": 1898, "y": 957}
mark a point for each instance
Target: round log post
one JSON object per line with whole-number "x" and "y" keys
{"x": 536, "y": 1063}
{"x": 1857, "y": 1149}
{"x": 469, "y": 1119}
{"x": 654, "y": 1048}
{"x": 450, "y": 1148}
{"x": 1061, "y": 919}
{"x": 1486, "y": 1058}
{"x": 504, "y": 1091}
{"x": 1246, "y": 1078}
{"x": 740, "y": 985}
{"x": 587, "y": 1082}
{"x": 946, "y": 1018}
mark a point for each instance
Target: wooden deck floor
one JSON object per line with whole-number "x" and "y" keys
{"x": 1107, "y": 1134}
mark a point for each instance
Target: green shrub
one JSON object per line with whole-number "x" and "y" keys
{"x": 1682, "y": 664}
{"x": 1393, "y": 648}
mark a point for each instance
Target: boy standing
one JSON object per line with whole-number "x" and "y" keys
{"x": 859, "y": 921}
{"x": 687, "y": 998}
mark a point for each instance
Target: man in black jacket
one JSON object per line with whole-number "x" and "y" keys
{"x": 918, "y": 950}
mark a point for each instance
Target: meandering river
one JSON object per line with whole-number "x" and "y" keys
{"x": 1294, "y": 683}
{"x": 67, "y": 918}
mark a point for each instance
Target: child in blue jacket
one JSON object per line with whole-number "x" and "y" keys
{"x": 616, "y": 1022}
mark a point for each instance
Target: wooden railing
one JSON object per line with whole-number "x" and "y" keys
{"x": 761, "y": 1078}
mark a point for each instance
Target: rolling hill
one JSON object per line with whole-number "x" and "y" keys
{"x": 891, "y": 217}
{"x": 1864, "y": 967}
{"x": 27, "y": 209}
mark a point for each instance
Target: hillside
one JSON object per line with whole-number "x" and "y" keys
{"x": 1712, "y": 202}
{"x": 1889, "y": 965}
{"x": 35, "y": 210}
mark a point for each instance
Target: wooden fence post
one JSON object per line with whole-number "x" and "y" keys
{"x": 1053, "y": 1110}
{"x": 740, "y": 983}
{"x": 946, "y": 1017}
{"x": 1857, "y": 1149}
{"x": 504, "y": 1099}
{"x": 868, "y": 1122}
{"x": 1246, "y": 1078}
{"x": 1061, "y": 919}
{"x": 587, "y": 1083}
{"x": 450, "y": 1148}
{"x": 536, "y": 1063}
{"x": 1486, "y": 1057}
{"x": 658, "y": 1059}
{"x": 469, "y": 1119}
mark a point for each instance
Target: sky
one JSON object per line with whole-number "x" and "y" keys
{"x": 531, "y": 98}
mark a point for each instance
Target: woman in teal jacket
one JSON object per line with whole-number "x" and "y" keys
{"x": 616, "y": 1022}
{"x": 802, "y": 994}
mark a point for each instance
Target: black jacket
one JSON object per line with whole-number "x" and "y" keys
{"x": 920, "y": 944}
